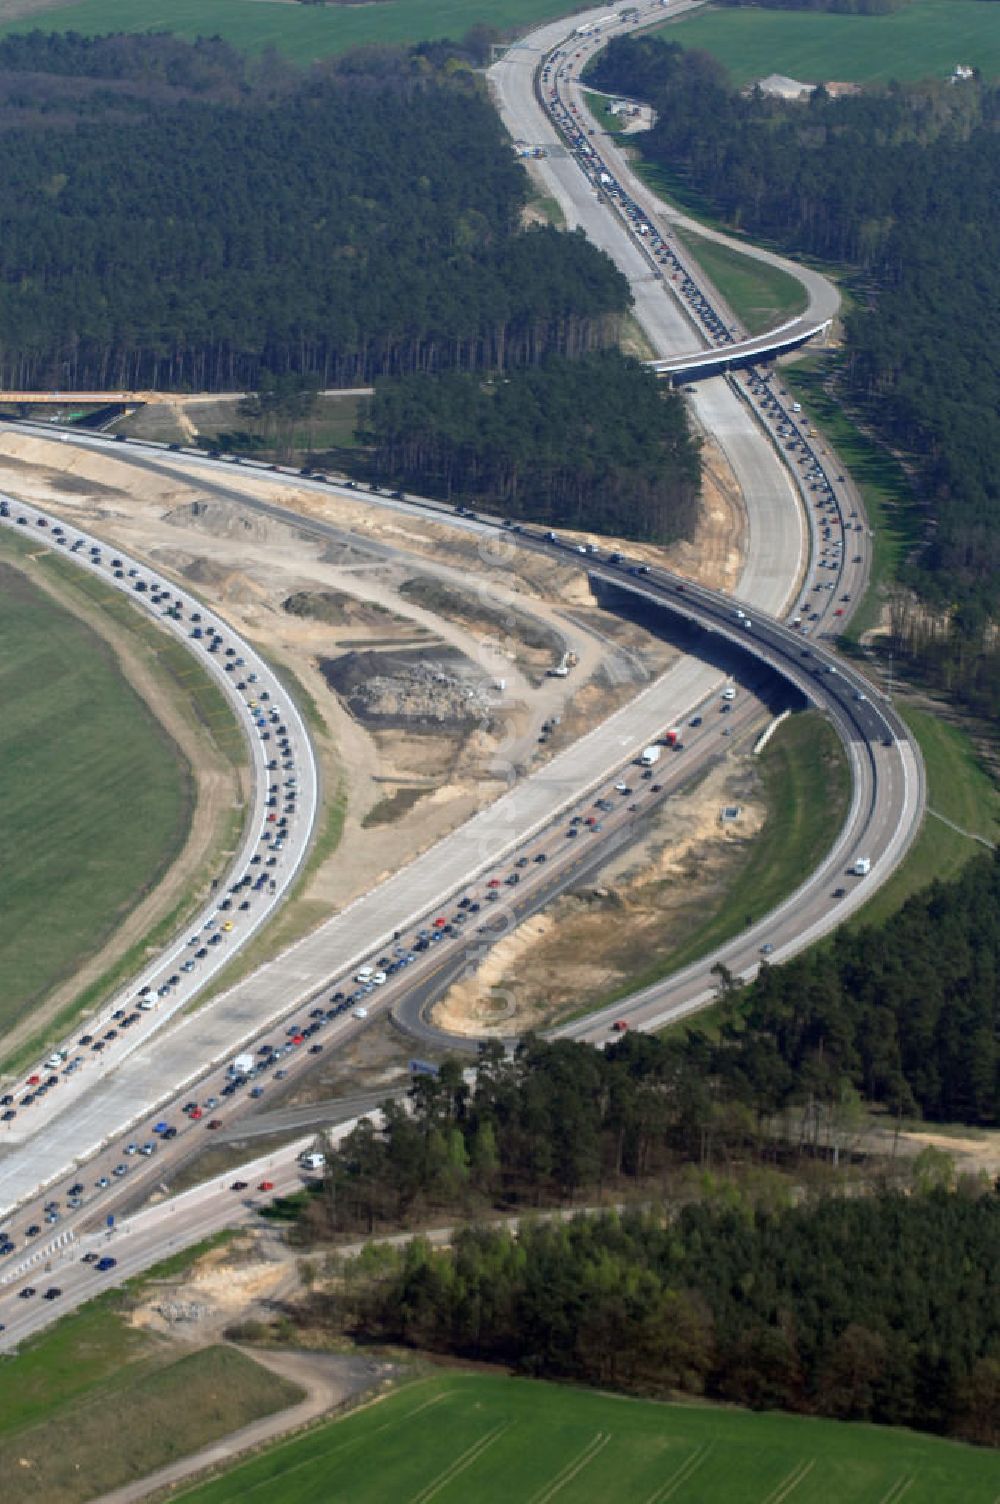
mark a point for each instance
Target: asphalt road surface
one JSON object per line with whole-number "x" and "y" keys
{"x": 537, "y": 89}
{"x": 535, "y": 817}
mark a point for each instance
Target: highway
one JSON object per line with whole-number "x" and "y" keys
{"x": 221, "y": 1026}
{"x": 885, "y": 811}
{"x": 537, "y": 89}
{"x": 545, "y": 815}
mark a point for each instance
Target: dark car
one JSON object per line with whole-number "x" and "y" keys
{"x": 103, "y": 1265}
{"x": 52, "y": 1293}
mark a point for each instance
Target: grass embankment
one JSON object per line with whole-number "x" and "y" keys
{"x": 805, "y": 786}
{"x": 302, "y": 32}
{"x": 330, "y": 427}
{"x": 95, "y": 801}
{"x": 94, "y": 1403}
{"x": 959, "y": 790}
{"x": 492, "y": 1439}
{"x": 925, "y": 37}
{"x": 598, "y": 105}
{"x": 880, "y": 478}
{"x": 761, "y": 296}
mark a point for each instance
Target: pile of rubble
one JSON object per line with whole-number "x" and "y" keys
{"x": 422, "y": 694}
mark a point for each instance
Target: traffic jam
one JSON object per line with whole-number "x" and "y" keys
{"x": 274, "y": 1065}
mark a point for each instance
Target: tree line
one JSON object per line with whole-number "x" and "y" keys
{"x": 902, "y": 185}
{"x": 595, "y": 442}
{"x": 177, "y": 216}
{"x": 904, "y": 1016}
{"x": 874, "y": 1309}
{"x": 877, "y": 1307}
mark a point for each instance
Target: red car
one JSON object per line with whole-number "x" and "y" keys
{"x": 266, "y": 1185}
{"x": 33, "y": 1080}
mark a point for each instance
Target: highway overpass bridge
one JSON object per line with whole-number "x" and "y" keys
{"x": 681, "y": 369}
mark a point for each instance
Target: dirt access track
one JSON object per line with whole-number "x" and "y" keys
{"x": 390, "y": 585}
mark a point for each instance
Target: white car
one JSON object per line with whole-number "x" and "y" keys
{"x": 379, "y": 978}
{"x": 364, "y": 973}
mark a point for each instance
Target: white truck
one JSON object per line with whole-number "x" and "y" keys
{"x": 650, "y": 756}
{"x": 313, "y": 1161}
{"x": 242, "y": 1065}
{"x": 862, "y": 867}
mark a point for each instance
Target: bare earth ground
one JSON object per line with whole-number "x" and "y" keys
{"x": 580, "y": 947}
{"x": 248, "y": 566}
{"x": 243, "y": 1281}
{"x": 219, "y": 793}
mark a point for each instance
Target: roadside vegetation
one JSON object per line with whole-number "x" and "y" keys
{"x": 188, "y": 697}
{"x": 718, "y": 1292}
{"x": 886, "y": 490}
{"x": 94, "y": 1403}
{"x": 760, "y": 295}
{"x": 594, "y": 442}
{"x": 515, "y": 1439}
{"x": 922, "y": 38}
{"x": 96, "y": 798}
{"x": 805, "y": 786}
{"x": 960, "y": 791}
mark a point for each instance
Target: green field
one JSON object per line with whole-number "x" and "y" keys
{"x": 926, "y": 37}
{"x": 302, "y": 32}
{"x": 494, "y": 1440}
{"x": 95, "y": 800}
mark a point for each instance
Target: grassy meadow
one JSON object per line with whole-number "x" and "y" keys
{"x": 926, "y": 38}
{"x": 460, "y": 1437}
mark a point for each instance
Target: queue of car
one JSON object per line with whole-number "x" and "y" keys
{"x": 567, "y": 119}
{"x": 270, "y": 1061}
